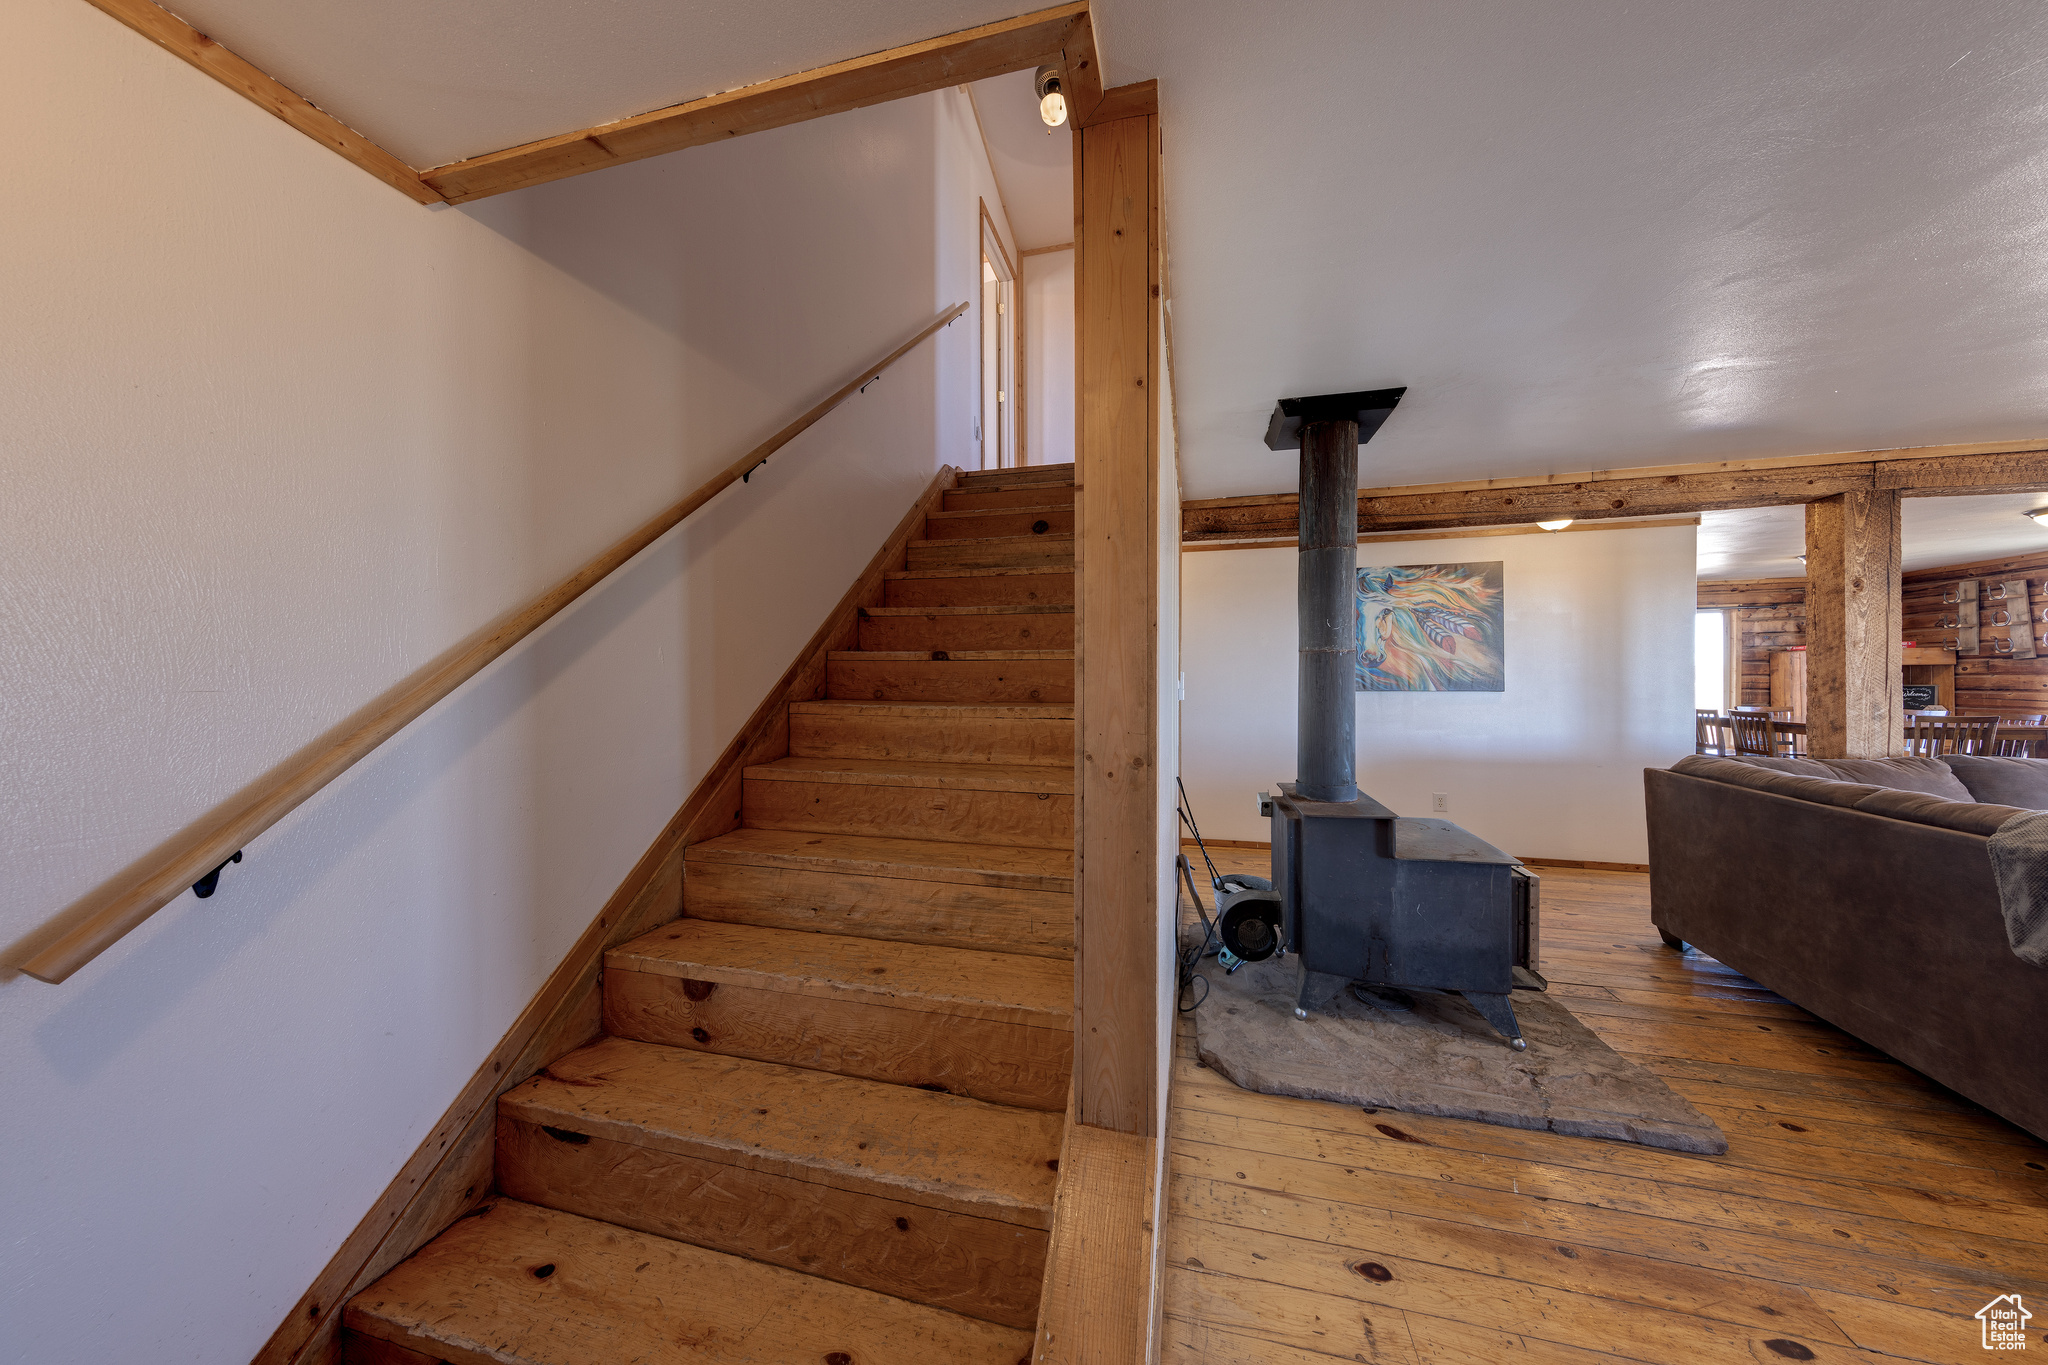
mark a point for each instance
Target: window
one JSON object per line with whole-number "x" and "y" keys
{"x": 1710, "y": 660}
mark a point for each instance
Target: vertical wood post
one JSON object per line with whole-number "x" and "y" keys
{"x": 1116, "y": 855}
{"x": 1854, "y": 702}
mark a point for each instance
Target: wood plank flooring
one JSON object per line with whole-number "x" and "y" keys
{"x": 1862, "y": 1212}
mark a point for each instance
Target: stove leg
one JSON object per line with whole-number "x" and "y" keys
{"x": 1498, "y": 1012}
{"x": 1317, "y": 990}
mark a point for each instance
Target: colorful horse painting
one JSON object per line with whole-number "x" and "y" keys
{"x": 1430, "y": 628}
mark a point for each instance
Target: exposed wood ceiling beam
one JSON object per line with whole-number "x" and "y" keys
{"x": 1061, "y": 34}
{"x": 181, "y": 40}
{"x": 1918, "y": 471}
{"x": 972, "y": 55}
{"x": 1082, "y": 83}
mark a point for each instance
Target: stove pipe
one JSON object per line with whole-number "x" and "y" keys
{"x": 1326, "y": 588}
{"x": 1328, "y": 429}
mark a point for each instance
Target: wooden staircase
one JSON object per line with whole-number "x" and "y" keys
{"x": 825, "y": 1124}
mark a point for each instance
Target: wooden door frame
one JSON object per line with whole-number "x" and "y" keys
{"x": 1006, "y": 318}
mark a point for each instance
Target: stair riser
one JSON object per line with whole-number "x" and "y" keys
{"x": 1053, "y": 630}
{"x": 1029, "y": 476}
{"x": 977, "y": 1266}
{"x": 969, "y": 554}
{"x": 1033, "y": 819}
{"x": 946, "y": 914}
{"x": 1049, "y": 495}
{"x": 1002, "y": 522}
{"x": 930, "y": 740}
{"x": 981, "y": 1058}
{"x": 992, "y": 590}
{"x": 357, "y": 1349}
{"x": 1019, "y": 681}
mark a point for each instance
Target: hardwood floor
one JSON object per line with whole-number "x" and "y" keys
{"x": 1862, "y": 1212}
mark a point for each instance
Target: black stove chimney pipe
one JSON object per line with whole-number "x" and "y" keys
{"x": 1328, "y": 429}
{"x": 1326, "y": 572}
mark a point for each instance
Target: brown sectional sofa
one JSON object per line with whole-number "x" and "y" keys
{"x": 1869, "y": 901}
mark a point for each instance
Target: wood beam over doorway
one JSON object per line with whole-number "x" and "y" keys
{"x": 1854, "y": 698}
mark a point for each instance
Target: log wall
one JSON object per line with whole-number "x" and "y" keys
{"x": 1771, "y": 615}
{"x": 1985, "y": 685}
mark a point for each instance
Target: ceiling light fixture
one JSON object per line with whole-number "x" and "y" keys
{"x": 2039, "y": 516}
{"x": 1052, "y": 105}
{"x": 1558, "y": 525}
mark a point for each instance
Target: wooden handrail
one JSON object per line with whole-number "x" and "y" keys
{"x": 125, "y": 903}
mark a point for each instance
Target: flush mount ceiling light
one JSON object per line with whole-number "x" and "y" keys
{"x": 1557, "y": 525}
{"x": 1052, "y": 105}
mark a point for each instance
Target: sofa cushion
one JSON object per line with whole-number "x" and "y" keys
{"x": 1967, "y": 817}
{"x": 1929, "y": 775}
{"x": 1799, "y": 786}
{"x": 2021, "y": 782}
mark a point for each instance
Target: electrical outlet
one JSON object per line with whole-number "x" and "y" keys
{"x": 1440, "y": 803}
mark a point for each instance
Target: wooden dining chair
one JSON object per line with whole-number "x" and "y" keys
{"x": 1709, "y": 732}
{"x": 1753, "y": 734}
{"x": 1932, "y": 736}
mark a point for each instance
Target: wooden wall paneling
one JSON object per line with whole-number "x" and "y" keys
{"x": 1117, "y": 625}
{"x": 450, "y": 1171}
{"x": 1854, "y": 706}
{"x": 183, "y": 41}
{"x": 956, "y": 59}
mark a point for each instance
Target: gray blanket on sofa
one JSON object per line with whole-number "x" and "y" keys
{"x": 2019, "y": 859}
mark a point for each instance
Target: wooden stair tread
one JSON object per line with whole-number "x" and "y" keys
{"x": 971, "y": 572}
{"x": 959, "y": 656}
{"x": 993, "y": 542}
{"x": 920, "y": 1147}
{"x": 885, "y": 772}
{"x": 1034, "y": 991}
{"x": 937, "y": 710}
{"x": 473, "y": 1295}
{"x": 966, "y": 512}
{"x": 1029, "y": 869}
{"x": 1024, "y": 609}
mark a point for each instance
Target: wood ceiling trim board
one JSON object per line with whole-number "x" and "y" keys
{"x": 1919, "y": 471}
{"x": 958, "y": 58}
{"x": 181, "y": 40}
{"x": 1139, "y": 100}
{"x": 1045, "y": 250}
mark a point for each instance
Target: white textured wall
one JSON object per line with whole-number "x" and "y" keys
{"x": 1048, "y": 349}
{"x": 274, "y": 436}
{"x": 1599, "y": 687}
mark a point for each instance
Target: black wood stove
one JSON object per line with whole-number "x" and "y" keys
{"x": 1362, "y": 894}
